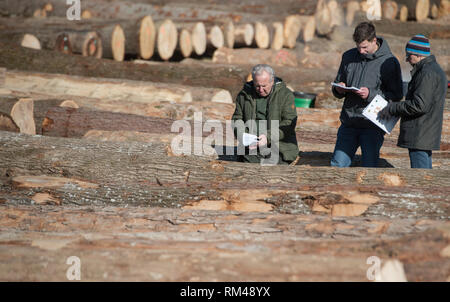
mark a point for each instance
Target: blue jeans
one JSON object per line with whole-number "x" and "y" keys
{"x": 420, "y": 158}
{"x": 348, "y": 141}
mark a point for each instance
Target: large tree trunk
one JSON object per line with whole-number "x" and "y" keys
{"x": 73, "y": 122}
{"x": 417, "y": 9}
{"x": 140, "y": 37}
{"x": 25, "y": 59}
{"x": 102, "y": 88}
{"x": 143, "y": 173}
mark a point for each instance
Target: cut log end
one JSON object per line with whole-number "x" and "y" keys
{"x": 69, "y": 103}
{"x": 23, "y": 115}
{"x": 434, "y": 11}
{"x": 167, "y": 39}
{"x": 422, "y": 9}
{"x": 199, "y": 38}
{"x": 403, "y": 13}
{"x": 351, "y": 9}
{"x": 308, "y": 28}
{"x": 118, "y": 43}
{"x": 147, "y": 38}
{"x": 229, "y": 34}
{"x": 30, "y": 41}
{"x": 390, "y": 10}
{"x": 86, "y": 14}
{"x": 292, "y": 27}
{"x": 278, "y": 36}
{"x": 185, "y": 43}
{"x": 92, "y": 47}
{"x": 262, "y": 37}
{"x": 63, "y": 43}
{"x": 216, "y": 37}
{"x": 323, "y": 18}
{"x": 223, "y": 96}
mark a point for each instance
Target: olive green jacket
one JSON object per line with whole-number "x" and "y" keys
{"x": 280, "y": 107}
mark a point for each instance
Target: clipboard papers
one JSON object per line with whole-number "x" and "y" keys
{"x": 371, "y": 112}
{"x": 345, "y": 87}
{"x": 248, "y": 139}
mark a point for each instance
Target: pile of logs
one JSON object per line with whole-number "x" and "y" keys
{"x": 115, "y": 29}
{"x": 90, "y": 145}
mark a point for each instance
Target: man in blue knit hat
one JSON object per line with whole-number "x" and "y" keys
{"x": 422, "y": 111}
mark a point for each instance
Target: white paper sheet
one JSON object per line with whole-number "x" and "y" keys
{"x": 345, "y": 87}
{"x": 371, "y": 112}
{"x": 248, "y": 139}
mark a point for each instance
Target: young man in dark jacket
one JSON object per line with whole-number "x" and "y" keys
{"x": 423, "y": 109}
{"x": 373, "y": 69}
{"x": 265, "y": 107}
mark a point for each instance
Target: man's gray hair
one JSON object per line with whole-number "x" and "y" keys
{"x": 258, "y": 69}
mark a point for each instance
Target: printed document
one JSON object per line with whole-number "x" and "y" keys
{"x": 371, "y": 112}
{"x": 345, "y": 87}
{"x": 248, "y": 139}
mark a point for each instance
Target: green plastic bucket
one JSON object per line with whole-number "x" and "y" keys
{"x": 305, "y": 100}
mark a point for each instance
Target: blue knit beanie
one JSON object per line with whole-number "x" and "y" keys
{"x": 418, "y": 45}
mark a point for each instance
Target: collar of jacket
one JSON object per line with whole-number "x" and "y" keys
{"x": 419, "y": 66}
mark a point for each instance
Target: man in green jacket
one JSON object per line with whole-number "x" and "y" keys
{"x": 265, "y": 107}
{"x": 423, "y": 109}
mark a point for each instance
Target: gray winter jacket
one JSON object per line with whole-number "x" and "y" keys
{"x": 380, "y": 72}
{"x": 422, "y": 111}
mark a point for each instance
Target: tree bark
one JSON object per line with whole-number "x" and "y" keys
{"x": 143, "y": 173}
{"x": 398, "y": 28}
{"x": 255, "y": 56}
{"x": 417, "y": 9}
{"x": 73, "y": 122}
{"x": 7, "y": 123}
